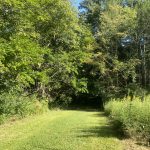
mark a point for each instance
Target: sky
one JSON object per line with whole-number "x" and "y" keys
{"x": 76, "y": 2}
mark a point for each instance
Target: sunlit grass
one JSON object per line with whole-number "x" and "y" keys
{"x": 60, "y": 130}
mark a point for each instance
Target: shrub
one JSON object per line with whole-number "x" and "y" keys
{"x": 20, "y": 106}
{"x": 132, "y": 116}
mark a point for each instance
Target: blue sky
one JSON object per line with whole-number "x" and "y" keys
{"x": 76, "y": 2}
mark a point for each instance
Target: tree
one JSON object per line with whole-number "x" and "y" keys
{"x": 116, "y": 56}
{"x": 43, "y": 47}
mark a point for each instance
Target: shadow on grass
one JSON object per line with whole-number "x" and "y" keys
{"x": 99, "y": 114}
{"x": 86, "y": 109}
{"x": 144, "y": 144}
{"x": 102, "y": 131}
{"x": 48, "y": 148}
{"x": 105, "y": 130}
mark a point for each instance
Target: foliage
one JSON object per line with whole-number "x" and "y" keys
{"x": 49, "y": 50}
{"x": 43, "y": 45}
{"x": 21, "y": 59}
{"x": 13, "y": 105}
{"x": 120, "y": 59}
{"x": 126, "y": 115}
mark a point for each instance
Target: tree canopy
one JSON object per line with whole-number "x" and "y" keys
{"x": 50, "y": 50}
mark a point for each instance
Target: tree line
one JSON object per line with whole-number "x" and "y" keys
{"x": 49, "y": 49}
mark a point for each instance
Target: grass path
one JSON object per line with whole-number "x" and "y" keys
{"x": 60, "y": 130}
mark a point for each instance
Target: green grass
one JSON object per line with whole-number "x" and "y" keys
{"x": 60, "y": 130}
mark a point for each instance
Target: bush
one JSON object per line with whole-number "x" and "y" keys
{"x": 20, "y": 106}
{"x": 132, "y": 116}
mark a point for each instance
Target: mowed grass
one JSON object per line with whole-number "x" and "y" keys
{"x": 60, "y": 130}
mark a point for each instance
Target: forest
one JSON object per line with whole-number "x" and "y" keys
{"x": 53, "y": 55}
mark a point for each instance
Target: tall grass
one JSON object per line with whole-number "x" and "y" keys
{"x": 131, "y": 116}
{"x": 14, "y": 106}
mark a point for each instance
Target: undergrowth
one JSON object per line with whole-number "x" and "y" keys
{"x": 13, "y": 106}
{"x": 133, "y": 117}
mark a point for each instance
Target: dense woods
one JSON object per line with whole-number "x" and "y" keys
{"x": 120, "y": 63}
{"x": 51, "y": 54}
